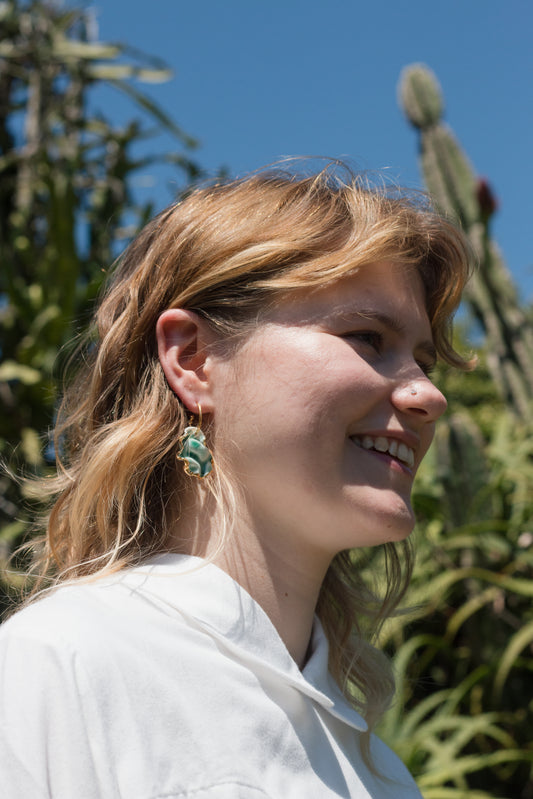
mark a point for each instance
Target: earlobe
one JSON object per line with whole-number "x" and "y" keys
{"x": 182, "y": 341}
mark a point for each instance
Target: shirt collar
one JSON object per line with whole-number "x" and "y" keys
{"x": 209, "y": 599}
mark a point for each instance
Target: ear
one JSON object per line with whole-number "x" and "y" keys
{"x": 182, "y": 340}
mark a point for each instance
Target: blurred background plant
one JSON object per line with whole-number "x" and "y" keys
{"x": 464, "y": 659}
{"x": 462, "y": 720}
{"x": 66, "y": 208}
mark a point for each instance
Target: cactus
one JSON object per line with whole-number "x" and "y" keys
{"x": 462, "y": 469}
{"x": 458, "y": 192}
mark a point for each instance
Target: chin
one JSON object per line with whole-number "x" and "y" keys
{"x": 362, "y": 519}
{"x": 401, "y": 521}
{"x": 394, "y": 523}
{"x": 399, "y": 533}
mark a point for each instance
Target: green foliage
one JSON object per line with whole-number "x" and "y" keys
{"x": 463, "y": 654}
{"x": 65, "y": 203}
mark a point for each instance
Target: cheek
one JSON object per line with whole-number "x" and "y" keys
{"x": 291, "y": 396}
{"x": 271, "y": 402}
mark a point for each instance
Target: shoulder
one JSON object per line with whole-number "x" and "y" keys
{"x": 78, "y": 614}
{"x": 43, "y": 691}
{"x": 42, "y": 646}
{"x": 97, "y": 634}
{"x": 69, "y": 636}
{"x": 66, "y": 615}
{"x": 77, "y": 674}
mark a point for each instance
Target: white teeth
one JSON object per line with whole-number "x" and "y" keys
{"x": 395, "y": 448}
{"x": 403, "y": 452}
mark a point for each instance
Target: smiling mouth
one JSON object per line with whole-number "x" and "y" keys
{"x": 390, "y": 446}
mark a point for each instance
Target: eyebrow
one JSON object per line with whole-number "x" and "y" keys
{"x": 390, "y": 322}
{"x": 386, "y": 320}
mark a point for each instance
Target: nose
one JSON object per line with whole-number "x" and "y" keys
{"x": 421, "y": 398}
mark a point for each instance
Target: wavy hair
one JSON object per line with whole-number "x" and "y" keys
{"x": 226, "y": 252}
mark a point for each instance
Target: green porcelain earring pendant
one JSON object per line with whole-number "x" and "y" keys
{"x": 197, "y": 458}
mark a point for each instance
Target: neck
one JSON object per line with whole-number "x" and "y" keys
{"x": 285, "y": 591}
{"x": 282, "y": 574}
{"x": 273, "y": 567}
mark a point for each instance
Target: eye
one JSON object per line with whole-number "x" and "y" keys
{"x": 427, "y": 367}
{"x": 372, "y": 338}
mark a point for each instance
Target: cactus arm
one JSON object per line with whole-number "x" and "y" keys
{"x": 460, "y": 194}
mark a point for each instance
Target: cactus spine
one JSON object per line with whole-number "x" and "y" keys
{"x": 458, "y": 192}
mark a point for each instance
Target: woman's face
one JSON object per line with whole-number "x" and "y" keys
{"x": 327, "y": 410}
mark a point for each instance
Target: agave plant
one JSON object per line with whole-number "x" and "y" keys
{"x": 464, "y": 652}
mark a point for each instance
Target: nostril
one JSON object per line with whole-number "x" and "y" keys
{"x": 419, "y": 398}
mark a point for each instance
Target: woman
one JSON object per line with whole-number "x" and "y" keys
{"x": 254, "y": 402}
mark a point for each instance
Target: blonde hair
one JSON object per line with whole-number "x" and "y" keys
{"x": 226, "y": 252}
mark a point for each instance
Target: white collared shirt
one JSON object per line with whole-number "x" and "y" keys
{"x": 170, "y": 681}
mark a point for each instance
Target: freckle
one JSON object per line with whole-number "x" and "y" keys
{"x": 286, "y": 594}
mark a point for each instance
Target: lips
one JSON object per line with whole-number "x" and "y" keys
{"x": 397, "y": 449}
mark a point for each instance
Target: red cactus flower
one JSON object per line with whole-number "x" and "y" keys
{"x": 488, "y": 202}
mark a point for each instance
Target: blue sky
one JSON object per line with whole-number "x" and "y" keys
{"x": 255, "y": 81}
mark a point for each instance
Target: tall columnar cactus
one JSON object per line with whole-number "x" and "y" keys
{"x": 457, "y": 190}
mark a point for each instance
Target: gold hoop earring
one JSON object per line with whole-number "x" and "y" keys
{"x": 196, "y": 456}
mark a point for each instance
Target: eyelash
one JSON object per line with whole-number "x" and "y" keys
{"x": 370, "y": 337}
{"x": 427, "y": 368}
{"x": 374, "y": 339}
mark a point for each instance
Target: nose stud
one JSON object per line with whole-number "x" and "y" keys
{"x": 414, "y": 392}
